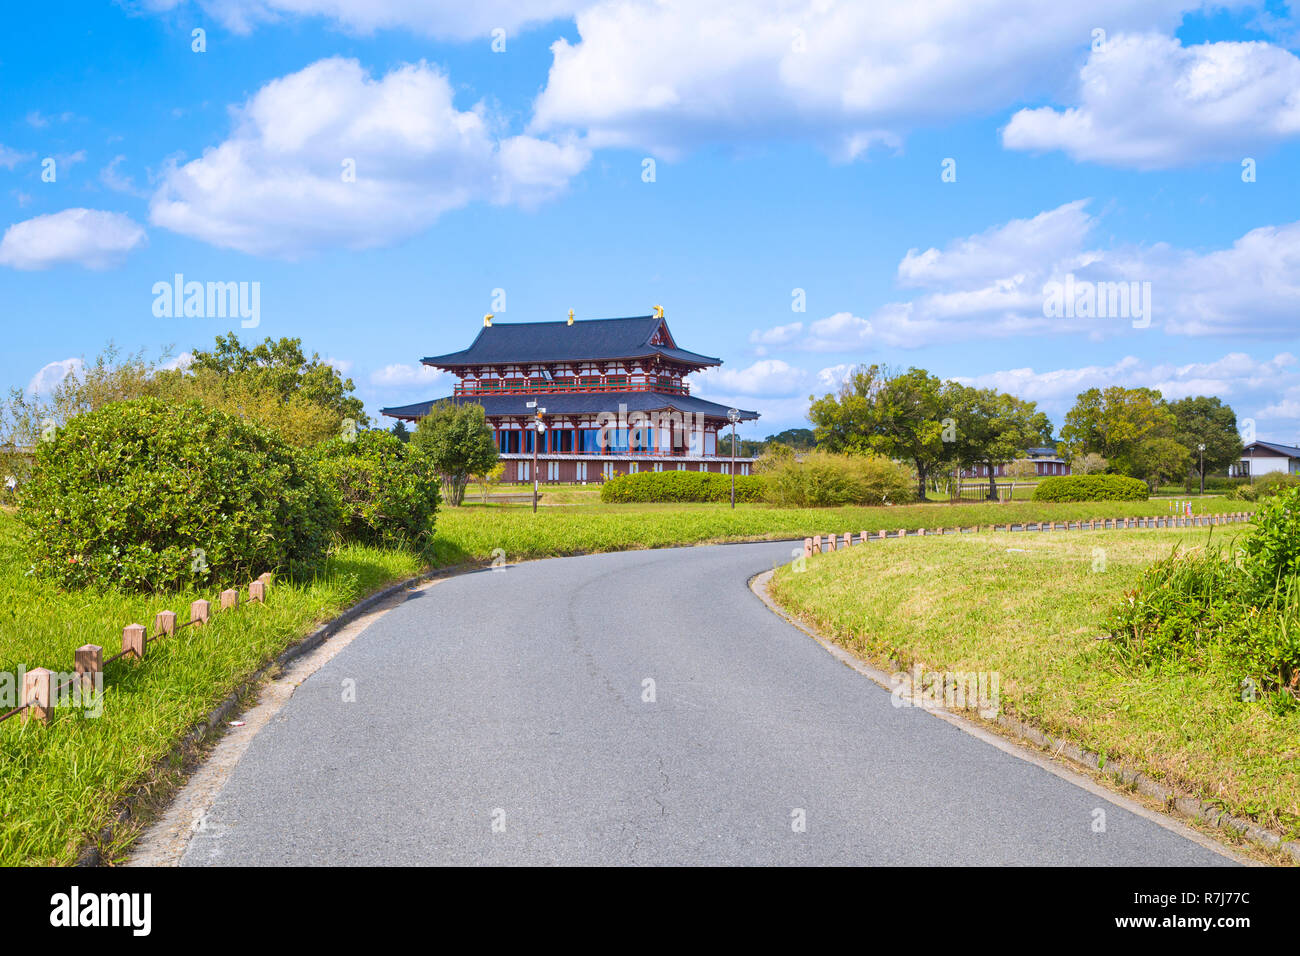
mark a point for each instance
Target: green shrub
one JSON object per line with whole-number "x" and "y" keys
{"x": 647, "y": 486}
{"x": 1265, "y": 486}
{"x": 821, "y": 480}
{"x": 1091, "y": 488}
{"x": 387, "y": 488}
{"x": 147, "y": 496}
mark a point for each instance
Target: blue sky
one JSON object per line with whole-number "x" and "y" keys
{"x": 796, "y": 146}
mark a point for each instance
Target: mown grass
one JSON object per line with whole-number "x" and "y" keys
{"x": 61, "y": 783}
{"x": 1034, "y": 615}
{"x": 474, "y": 531}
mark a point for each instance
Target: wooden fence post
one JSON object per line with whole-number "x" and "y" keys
{"x": 200, "y": 612}
{"x": 229, "y": 599}
{"x": 265, "y": 577}
{"x": 38, "y": 685}
{"x": 862, "y": 537}
{"x": 817, "y": 544}
{"x": 256, "y": 592}
{"x": 807, "y": 547}
{"x": 830, "y": 542}
{"x": 164, "y": 623}
{"x": 134, "y": 641}
{"x": 88, "y": 662}
{"x": 883, "y": 534}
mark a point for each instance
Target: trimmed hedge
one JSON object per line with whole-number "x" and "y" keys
{"x": 150, "y": 496}
{"x": 388, "y": 489}
{"x": 1091, "y": 488}
{"x": 650, "y": 486}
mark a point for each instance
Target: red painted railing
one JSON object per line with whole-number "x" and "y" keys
{"x": 541, "y": 387}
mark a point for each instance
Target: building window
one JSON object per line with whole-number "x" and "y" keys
{"x": 582, "y": 472}
{"x": 552, "y": 471}
{"x": 659, "y": 466}
{"x": 681, "y": 466}
{"x": 704, "y": 466}
{"x": 608, "y": 469}
{"x": 634, "y": 468}
{"x": 523, "y": 470}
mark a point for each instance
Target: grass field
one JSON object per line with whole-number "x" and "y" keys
{"x": 1034, "y": 615}
{"x": 62, "y": 782}
{"x": 474, "y": 532}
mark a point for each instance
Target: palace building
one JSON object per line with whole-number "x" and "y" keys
{"x": 588, "y": 399}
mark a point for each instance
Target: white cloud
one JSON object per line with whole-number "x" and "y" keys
{"x": 993, "y": 285}
{"x": 9, "y": 158}
{"x": 667, "y": 75}
{"x": 118, "y": 182}
{"x": 1149, "y": 102}
{"x": 87, "y": 237}
{"x": 48, "y": 378}
{"x": 407, "y": 374}
{"x": 182, "y": 362}
{"x": 767, "y": 377}
{"x": 277, "y": 185}
{"x": 429, "y": 17}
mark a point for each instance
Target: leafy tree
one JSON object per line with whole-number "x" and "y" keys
{"x": 992, "y": 428}
{"x": 295, "y": 417}
{"x": 745, "y": 447}
{"x": 896, "y": 415}
{"x": 1160, "y": 460}
{"x": 401, "y": 431}
{"x": 1113, "y": 422}
{"x": 283, "y": 367}
{"x": 458, "y": 443}
{"x": 1021, "y": 470}
{"x": 800, "y": 439}
{"x": 1205, "y": 420}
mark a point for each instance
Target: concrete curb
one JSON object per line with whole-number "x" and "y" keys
{"x": 1175, "y": 802}
{"x": 233, "y": 702}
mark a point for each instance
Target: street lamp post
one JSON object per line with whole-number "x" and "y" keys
{"x": 1201, "y": 449}
{"x": 733, "y": 416}
{"x": 539, "y": 426}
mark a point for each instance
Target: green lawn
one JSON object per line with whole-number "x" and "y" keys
{"x": 474, "y": 532}
{"x": 61, "y": 782}
{"x": 1031, "y": 607}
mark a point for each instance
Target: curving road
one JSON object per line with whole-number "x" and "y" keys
{"x": 499, "y": 719}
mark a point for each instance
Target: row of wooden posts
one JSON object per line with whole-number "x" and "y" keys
{"x": 39, "y": 693}
{"x": 818, "y": 544}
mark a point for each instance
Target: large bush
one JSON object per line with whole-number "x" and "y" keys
{"x": 1091, "y": 488}
{"x": 1265, "y": 486}
{"x": 388, "y": 488}
{"x": 680, "y": 486}
{"x": 821, "y": 480}
{"x": 146, "y": 495}
{"x": 1242, "y": 602}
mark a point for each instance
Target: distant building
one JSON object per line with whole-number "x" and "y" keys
{"x": 1044, "y": 459}
{"x": 612, "y": 394}
{"x": 1261, "y": 457}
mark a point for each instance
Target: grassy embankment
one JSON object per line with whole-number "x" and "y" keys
{"x": 61, "y": 783}
{"x": 1035, "y": 616}
{"x": 474, "y": 531}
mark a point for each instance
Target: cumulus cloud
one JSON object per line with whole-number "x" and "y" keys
{"x": 667, "y": 75}
{"x": 87, "y": 237}
{"x": 767, "y": 377}
{"x": 49, "y": 377}
{"x": 996, "y": 284}
{"x": 282, "y": 184}
{"x": 407, "y": 374}
{"x": 1149, "y": 102}
{"x": 438, "y": 18}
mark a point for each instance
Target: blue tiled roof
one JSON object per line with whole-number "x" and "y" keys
{"x": 577, "y": 403}
{"x": 1290, "y": 451}
{"x": 586, "y": 340}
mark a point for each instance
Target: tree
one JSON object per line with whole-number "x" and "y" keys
{"x": 1022, "y": 469}
{"x": 800, "y": 439}
{"x": 458, "y": 443}
{"x": 401, "y": 431}
{"x": 1160, "y": 460}
{"x": 897, "y": 415}
{"x": 1204, "y": 420}
{"x": 1089, "y": 464}
{"x": 992, "y": 428}
{"x": 284, "y": 368}
{"x": 1114, "y": 422}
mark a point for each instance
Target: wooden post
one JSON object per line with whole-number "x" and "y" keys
{"x": 848, "y": 539}
{"x": 862, "y": 537}
{"x": 265, "y": 577}
{"x": 89, "y": 661}
{"x": 902, "y": 532}
{"x": 883, "y": 534}
{"x": 817, "y": 544}
{"x": 38, "y": 686}
{"x": 257, "y": 592}
{"x": 134, "y": 641}
{"x": 164, "y": 623}
{"x": 229, "y": 599}
{"x": 807, "y": 547}
{"x": 830, "y": 542}
{"x": 200, "y": 612}
{"x": 920, "y": 531}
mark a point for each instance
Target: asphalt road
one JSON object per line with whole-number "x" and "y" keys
{"x": 499, "y": 719}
